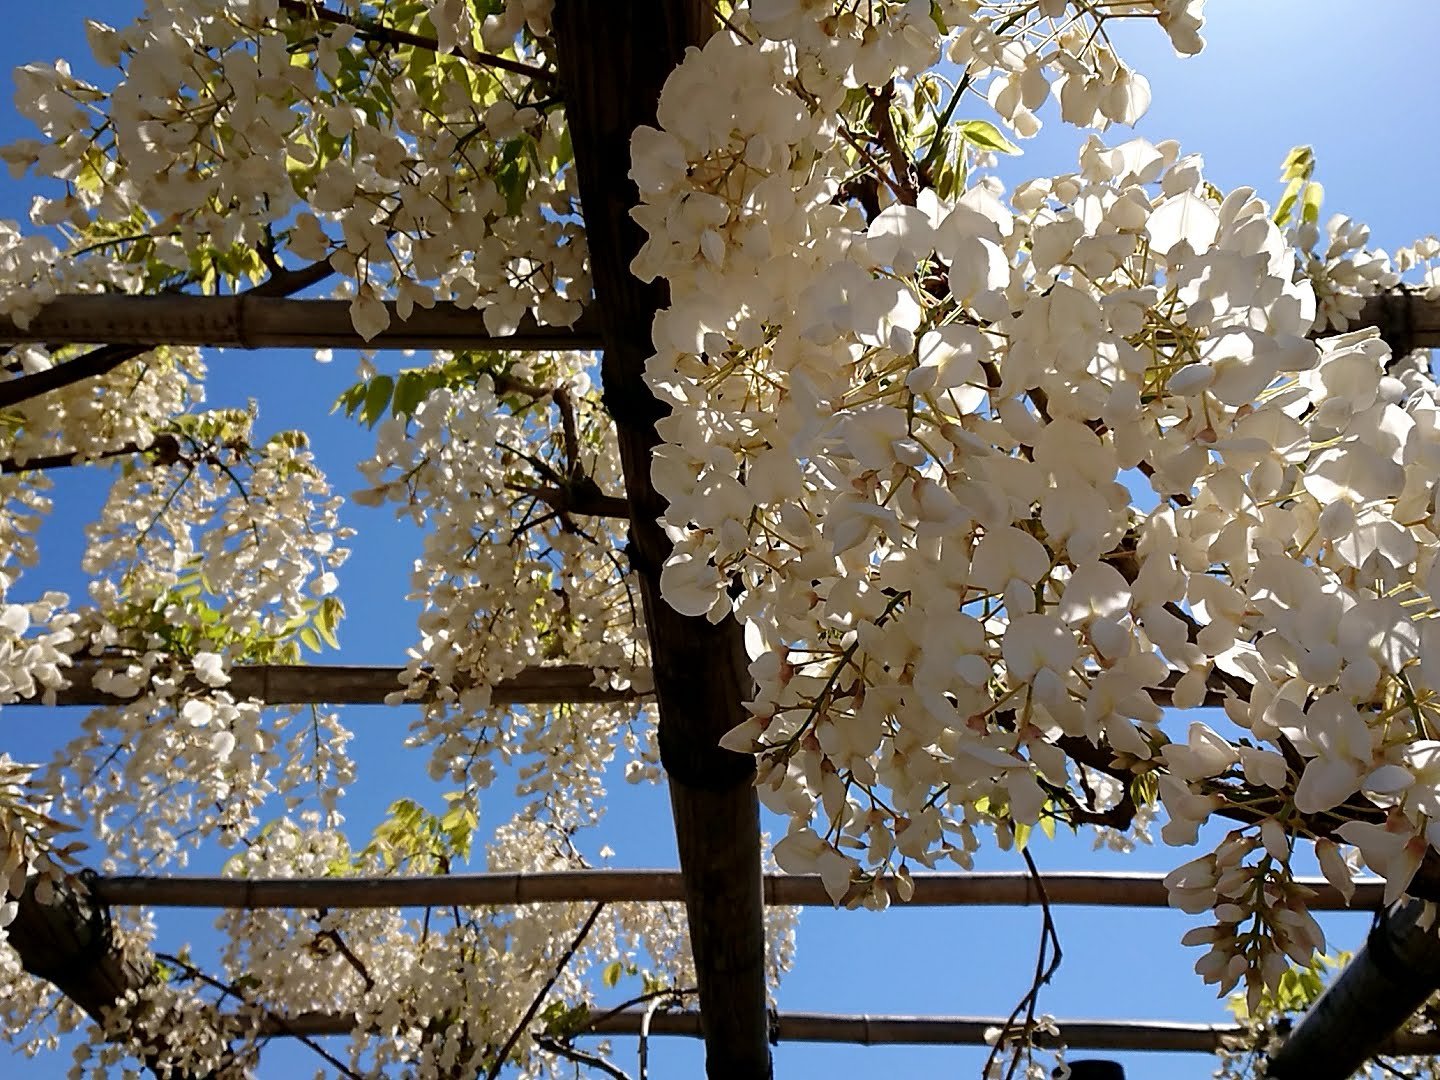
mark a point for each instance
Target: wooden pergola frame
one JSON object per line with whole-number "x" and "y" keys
{"x": 968, "y": 889}
{"x": 253, "y": 320}
{"x": 699, "y": 668}
{"x": 900, "y": 1030}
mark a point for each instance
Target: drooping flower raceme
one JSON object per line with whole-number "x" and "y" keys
{"x": 903, "y": 446}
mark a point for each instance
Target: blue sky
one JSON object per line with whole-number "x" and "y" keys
{"x": 1353, "y": 80}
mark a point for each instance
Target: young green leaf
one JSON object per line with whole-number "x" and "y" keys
{"x": 986, "y": 136}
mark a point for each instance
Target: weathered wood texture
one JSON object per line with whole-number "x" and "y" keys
{"x": 250, "y": 321}
{"x": 867, "y": 1030}
{"x": 345, "y": 684}
{"x": 1382, "y": 986}
{"x": 643, "y": 886}
{"x": 68, "y": 944}
{"x": 614, "y": 58}
{"x": 1406, "y": 320}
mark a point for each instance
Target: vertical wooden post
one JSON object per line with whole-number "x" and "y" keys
{"x": 613, "y": 59}
{"x": 1381, "y": 987}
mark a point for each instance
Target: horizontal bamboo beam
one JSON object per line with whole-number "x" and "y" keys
{"x": 355, "y": 684}
{"x": 467, "y": 890}
{"x": 345, "y": 684}
{"x": 905, "y": 1030}
{"x": 250, "y": 321}
{"x": 1405, "y": 318}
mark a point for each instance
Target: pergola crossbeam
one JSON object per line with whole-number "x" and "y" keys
{"x": 349, "y": 684}
{"x": 250, "y": 321}
{"x": 1406, "y": 318}
{"x": 360, "y": 684}
{"x": 897, "y": 1030}
{"x": 653, "y": 886}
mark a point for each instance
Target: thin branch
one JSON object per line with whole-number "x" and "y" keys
{"x": 539, "y": 1000}
{"x": 860, "y": 148}
{"x": 1046, "y": 964}
{"x": 885, "y": 130}
{"x": 585, "y": 499}
{"x": 1392, "y": 1070}
{"x": 368, "y": 30}
{"x": 580, "y": 1057}
{"x": 598, "y": 1020}
{"x": 573, "y": 469}
{"x": 226, "y": 988}
{"x": 335, "y": 938}
{"x": 166, "y": 449}
{"x": 284, "y": 282}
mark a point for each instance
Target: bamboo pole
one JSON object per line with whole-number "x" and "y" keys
{"x": 250, "y": 321}
{"x": 1405, "y": 318}
{"x": 887, "y": 1030}
{"x": 344, "y": 684}
{"x": 357, "y": 684}
{"x": 651, "y": 886}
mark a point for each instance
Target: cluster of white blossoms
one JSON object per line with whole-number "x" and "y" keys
{"x": 515, "y": 572}
{"x": 910, "y": 447}
{"x": 429, "y": 179}
{"x": 395, "y": 973}
{"x": 28, "y": 840}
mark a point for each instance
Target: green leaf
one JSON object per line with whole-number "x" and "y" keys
{"x": 377, "y": 399}
{"x": 564, "y": 1021}
{"x": 1310, "y": 202}
{"x": 564, "y": 153}
{"x": 611, "y": 975}
{"x": 331, "y": 611}
{"x": 1286, "y": 208}
{"x": 311, "y": 639}
{"x": 1299, "y": 164}
{"x": 986, "y": 136}
{"x": 350, "y": 400}
{"x": 411, "y": 388}
{"x": 513, "y": 176}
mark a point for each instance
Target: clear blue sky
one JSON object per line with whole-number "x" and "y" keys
{"x": 1353, "y": 80}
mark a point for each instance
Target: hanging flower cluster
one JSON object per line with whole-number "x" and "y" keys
{"x": 518, "y": 570}
{"x": 397, "y": 975}
{"x": 912, "y": 447}
{"x": 237, "y": 132}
